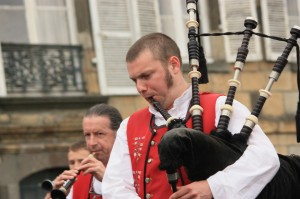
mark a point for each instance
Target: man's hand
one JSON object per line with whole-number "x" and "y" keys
{"x": 93, "y": 166}
{"x": 64, "y": 176}
{"x": 195, "y": 190}
{"x": 59, "y": 180}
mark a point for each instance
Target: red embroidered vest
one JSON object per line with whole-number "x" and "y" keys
{"x": 149, "y": 181}
{"x": 82, "y": 186}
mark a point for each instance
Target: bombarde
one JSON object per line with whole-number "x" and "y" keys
{"x": 47, "y": 185}
{"x": 61, "y": 192}
{"x": 189, "y": 147}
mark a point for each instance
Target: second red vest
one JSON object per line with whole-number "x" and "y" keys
{"x": 81, "y": 188}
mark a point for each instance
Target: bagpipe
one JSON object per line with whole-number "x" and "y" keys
{"x": 203, "y": 155}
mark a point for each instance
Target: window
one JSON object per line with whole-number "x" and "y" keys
{"x": 173, "y": 16}
{"x": 277, "y": 19}
{"x": 279, "y": 16}
{"x": 232, "y": 15}
{"x": 38, "y": 24}
{"x": 37, "y": 21}
{"x": 116, "y": 25}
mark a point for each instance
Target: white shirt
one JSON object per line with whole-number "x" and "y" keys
{"x": 97, "y": 185}
{"x": 243, "y": 179}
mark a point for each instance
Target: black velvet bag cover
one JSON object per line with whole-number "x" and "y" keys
{"x": 203, "y": 155}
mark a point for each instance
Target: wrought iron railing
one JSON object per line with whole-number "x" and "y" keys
{"x": 42, "y": 68}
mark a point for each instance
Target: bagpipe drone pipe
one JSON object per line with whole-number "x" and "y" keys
{"x": 203, "y": 155}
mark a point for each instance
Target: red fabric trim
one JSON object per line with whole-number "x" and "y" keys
{"x": 208, "y": 103}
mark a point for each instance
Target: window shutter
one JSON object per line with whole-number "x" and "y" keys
{"x": 148, "y": 16}
{"x": 116, "y": 25}
{"x": 276, "y": 23}
{"x": 233, "y": 13}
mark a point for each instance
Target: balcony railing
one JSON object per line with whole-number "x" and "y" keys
{"x": 42, "y": 68}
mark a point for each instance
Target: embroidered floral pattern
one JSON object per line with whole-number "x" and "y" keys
{"x": 137, "y": 176}
{"x": 138, "y": 145}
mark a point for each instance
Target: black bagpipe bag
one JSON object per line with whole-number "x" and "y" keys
{"x": 203, "y": 155}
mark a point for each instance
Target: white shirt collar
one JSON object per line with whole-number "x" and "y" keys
{"x": 178, "y": 110}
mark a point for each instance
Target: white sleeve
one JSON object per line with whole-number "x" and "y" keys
{"x": 118, "y": 179}
{"x": 254, "y": 169}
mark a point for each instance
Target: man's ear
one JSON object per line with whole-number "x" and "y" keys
{"x": 175, "y": 63}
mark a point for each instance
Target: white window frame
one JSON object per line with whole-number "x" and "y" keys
{"x": 3, "y": 91}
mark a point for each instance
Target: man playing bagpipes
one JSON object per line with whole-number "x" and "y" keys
{"x": 154, "y": 64}
{"x": 225, "y": 155}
